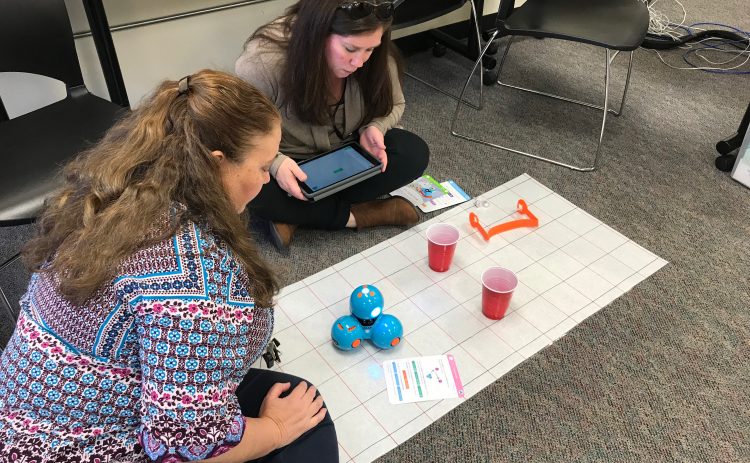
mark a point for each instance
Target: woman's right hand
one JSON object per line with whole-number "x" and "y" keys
{"x": 288, "y": 177}
{"x": 294, "y": 414}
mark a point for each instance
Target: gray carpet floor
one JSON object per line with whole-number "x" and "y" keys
{"x": 662, "y": 373}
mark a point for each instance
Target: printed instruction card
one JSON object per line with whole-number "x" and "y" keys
{"x": 429, "y": 195}
{"x": 418, "y": 379}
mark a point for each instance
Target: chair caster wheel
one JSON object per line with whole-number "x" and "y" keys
{"x": 489, "y": 78}
{"x": 727, "y": 146}
{"x": 492, "y": 49}
{"x": 725, "y": 162}
{"x": 439, "y": 50}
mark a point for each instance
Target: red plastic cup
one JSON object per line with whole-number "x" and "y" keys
{"x": 497, "y": 288}
{"x": 441, "y": 245}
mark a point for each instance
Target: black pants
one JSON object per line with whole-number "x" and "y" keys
{"x": 318, "y": 444}
{"x": 407, "y": 159}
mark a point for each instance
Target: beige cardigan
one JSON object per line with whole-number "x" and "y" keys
{"x": 261, "y": 65}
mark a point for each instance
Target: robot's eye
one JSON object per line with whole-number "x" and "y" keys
{"x": 359, "y": 294}
{"x": 372, "y": 293}
{"x": 375, "y": 312}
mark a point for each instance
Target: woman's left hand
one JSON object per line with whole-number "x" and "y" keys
{"x": 374, "y": 142}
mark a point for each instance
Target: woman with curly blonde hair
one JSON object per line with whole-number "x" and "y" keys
{"x": 149, "y": 302}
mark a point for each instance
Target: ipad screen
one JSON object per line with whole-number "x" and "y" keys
{"x": 334, "y": 167}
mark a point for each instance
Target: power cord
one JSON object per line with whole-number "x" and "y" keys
{"x": 720, "y": 47}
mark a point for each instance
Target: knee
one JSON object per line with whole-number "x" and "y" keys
{"x": 294, "y": 382}
{"x": 327, "y": 420}
{"x": 420, "y": 153}
{"x": 424, "y": 159}
{"x": 412, "y": 150}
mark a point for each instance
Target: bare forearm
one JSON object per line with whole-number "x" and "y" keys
{"x": 261, "y": 437}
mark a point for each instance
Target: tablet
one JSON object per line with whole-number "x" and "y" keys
{"x": 336, "y": 170}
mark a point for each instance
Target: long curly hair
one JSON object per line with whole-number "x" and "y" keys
{"x": 117, "y": 195}
{"x": 302, "y": 32}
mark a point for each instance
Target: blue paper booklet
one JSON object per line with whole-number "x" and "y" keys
{"x": 429, "y": 195}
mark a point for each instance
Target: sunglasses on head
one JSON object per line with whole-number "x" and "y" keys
{"x": 359, "y": 10}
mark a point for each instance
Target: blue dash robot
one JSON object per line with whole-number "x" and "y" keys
{"x": 367, "y": 321}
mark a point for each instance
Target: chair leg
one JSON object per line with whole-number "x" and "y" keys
{"x": 625, "y": 90}
{"x": 460, "y": 99}
{"x": 5, "y": 301}
{"x": 610, "y": 58}
{"x": 481, "y": 78}
{"x": 502, "y": 60}
{"x": 605, "y": 110}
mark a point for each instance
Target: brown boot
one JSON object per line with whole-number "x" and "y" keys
{"x": 392, "y": 211}
{"x": 282, "y": 234}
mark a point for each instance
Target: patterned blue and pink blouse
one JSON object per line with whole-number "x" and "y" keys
{"x": 145, "y": 371}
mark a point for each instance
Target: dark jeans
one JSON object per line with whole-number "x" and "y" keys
{"x": 408, "y": 156}
{"x": 318, "y": 444}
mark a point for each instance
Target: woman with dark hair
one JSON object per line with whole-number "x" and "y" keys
{"x": 149, "y": 302}
{"x": 332, "y": 70}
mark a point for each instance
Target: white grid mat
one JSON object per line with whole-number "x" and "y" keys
{"x": 568, "y": 268}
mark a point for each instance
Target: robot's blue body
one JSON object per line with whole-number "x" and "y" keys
{"x": 367, "y": 321}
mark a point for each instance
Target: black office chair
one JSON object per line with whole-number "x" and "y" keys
{"x": 36, "y": 37}
{"x": 615, "y": 25}
{"x": 410, "y": 13}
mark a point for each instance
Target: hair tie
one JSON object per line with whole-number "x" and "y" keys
{"x": 184, "y": 85}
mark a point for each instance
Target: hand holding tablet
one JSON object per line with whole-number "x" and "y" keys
{"x": 373, "y": 141}
{"x": 288, "y": 177}
{"x": 336, "y": 170}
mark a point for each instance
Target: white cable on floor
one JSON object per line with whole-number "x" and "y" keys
{"x": 661, "y": 24}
